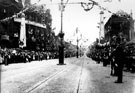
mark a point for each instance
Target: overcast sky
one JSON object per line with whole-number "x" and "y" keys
{"x": 87, "y": 22}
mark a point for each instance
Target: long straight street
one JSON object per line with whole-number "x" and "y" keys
{"x": 80, "y": 75}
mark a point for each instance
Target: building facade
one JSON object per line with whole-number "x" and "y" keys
{"x": 38, "y": 21}
{"x": 117, "y": 24}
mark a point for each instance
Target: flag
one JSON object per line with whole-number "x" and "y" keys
{"x": 23, "y": 32}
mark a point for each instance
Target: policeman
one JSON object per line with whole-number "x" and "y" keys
{"x": 119, "y": 59}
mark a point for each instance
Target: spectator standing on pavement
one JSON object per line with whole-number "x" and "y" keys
{"x": 119, "y": 59}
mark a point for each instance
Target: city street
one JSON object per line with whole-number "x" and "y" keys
{"x": 80, "y": 75}
{"x": 41, "y": 42}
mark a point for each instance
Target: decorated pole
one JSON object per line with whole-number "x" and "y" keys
{"x": 22, "y": 42}
{"x": 101, "y": 33}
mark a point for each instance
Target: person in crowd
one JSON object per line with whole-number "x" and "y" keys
{"x": 6, "y": 59}
{"x": 113, "y": 64}
{"x": 1, "y": 59}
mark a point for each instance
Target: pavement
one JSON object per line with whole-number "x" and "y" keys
{"x": 107, "y": 83}
{"x": 94, "y": 77}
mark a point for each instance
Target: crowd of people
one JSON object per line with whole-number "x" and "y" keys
{"x": 117, "y": 54}
{"x": 16, "y": 55}
{"x": 19, "y": 55}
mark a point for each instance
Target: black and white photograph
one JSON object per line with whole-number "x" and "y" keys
{"x": 67, "y": 46}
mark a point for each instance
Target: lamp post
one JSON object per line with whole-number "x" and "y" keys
{"x": 61, "y": 35}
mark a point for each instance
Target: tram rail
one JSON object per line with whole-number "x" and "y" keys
{"x": 53, "y": 76}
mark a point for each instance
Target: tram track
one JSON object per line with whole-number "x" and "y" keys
{"x": 53, "y": 76}
{"x": 80, "y": 76}
{"x": 34, "y": 87}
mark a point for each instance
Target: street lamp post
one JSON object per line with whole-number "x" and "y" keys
{"x": 61, "y": 35}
